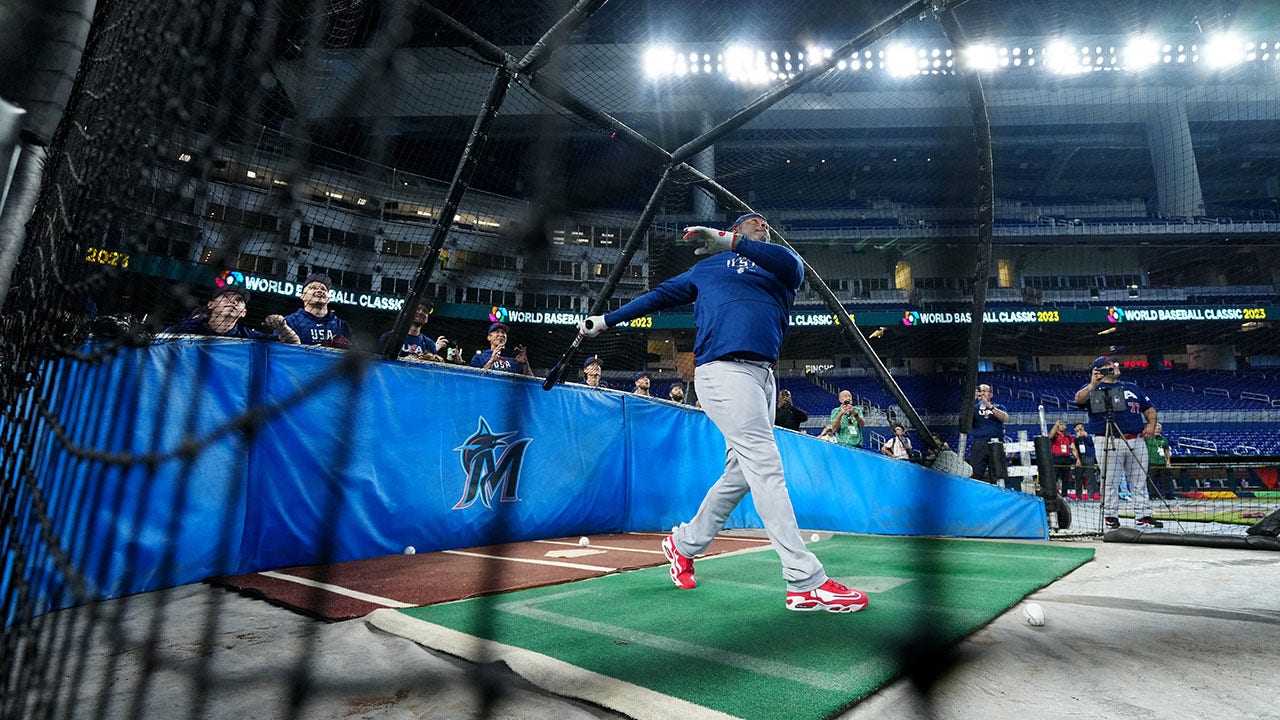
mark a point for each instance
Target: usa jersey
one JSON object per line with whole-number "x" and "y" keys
{"x": 985, "y": 424}
{"x": 313, "y": 330}
{"x": 413, "y": 344}
{"x": 504, "y": 363}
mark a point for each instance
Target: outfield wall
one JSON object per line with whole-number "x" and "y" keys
{"x": 261, "y": 456}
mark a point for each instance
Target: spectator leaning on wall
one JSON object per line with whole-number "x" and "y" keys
{"x": 221, "y": 317}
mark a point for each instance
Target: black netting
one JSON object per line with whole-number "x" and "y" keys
{"x": 404, "y": 152}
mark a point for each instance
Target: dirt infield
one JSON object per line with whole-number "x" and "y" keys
{"x": 343, "y": 591}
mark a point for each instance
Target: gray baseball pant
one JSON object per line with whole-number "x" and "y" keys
{"x": 740, "y": 398}
{"x": 1118, "y": 457}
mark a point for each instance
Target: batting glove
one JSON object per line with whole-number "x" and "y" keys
{"x": 592, "y": 326}
{"x": 713, "y": 241}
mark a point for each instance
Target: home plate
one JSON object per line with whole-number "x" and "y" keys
{"x": 573, "y": 553}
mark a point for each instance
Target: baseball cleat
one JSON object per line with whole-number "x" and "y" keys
{"x": 830, "y": 596}
{"x": 1111, "y": 522}
{"x": 1148, "y": 522}
{"x": 681, "y": 566}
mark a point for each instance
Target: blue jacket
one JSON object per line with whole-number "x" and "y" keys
{"x": 413, "y": 344}
{"x": 314, "y": 331}
{"x": 504, "y": 363}
{"x": 1129, "y": 421}
{"x": 200, "y": 326}
{"x": 743, "y": 300}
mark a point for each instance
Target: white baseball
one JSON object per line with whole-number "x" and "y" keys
{"x": 583, "y": 541}
{"x": 410, "y": 550}
{"x": 814, "y": 537}
{"x": 1034, "y": 614}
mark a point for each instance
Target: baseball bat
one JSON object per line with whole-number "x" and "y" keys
{"x": 557, "y": 370}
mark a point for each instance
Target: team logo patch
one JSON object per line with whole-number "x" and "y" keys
{"x": 1115, "y": 314}
{"x": 230, "y": 278}
{"x": 499, "y": 314}
{"x": 492, "y": 463}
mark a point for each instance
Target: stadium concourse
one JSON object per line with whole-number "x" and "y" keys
{"x": 1140, "y": 631}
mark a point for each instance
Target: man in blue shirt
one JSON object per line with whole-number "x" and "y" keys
{"x": 497, "y": 357}
{"x": 1119, "y": 441}
{"x": 592, "y": 371}
{"x": 416, "y": 345}
{"x": 988, "y": 424}
{"x": 642, "y": 382}
{"x": 742, "y": 298}
{"x": 314, "y": 322}
{"x": 221, "y": 317}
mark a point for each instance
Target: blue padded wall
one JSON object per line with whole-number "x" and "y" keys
{"x": 403, "y": 454}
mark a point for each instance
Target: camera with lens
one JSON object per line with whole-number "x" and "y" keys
{"x": 1107, "y": 400}
{"x": 1107, "y": 371}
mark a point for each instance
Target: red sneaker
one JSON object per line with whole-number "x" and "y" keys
{"x": 830, "y": 596}
{"x": 681, "y": 566}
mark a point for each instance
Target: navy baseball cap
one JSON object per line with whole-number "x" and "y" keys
{"x": 237, "y": 289}
{"x": 593, "y": 360}
{"x": 497, "y": 326}
{"x": 1102, "y": 361}
{"x": 642, "y": 373}
{"x": 744, "y": 218}
{"x": 321, "y": 278}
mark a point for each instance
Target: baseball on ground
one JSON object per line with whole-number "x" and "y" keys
{"x": 583, "y": 541}
{"x": 1034, "y": 614}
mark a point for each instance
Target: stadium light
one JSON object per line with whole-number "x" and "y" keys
{"x": 1060, "y": 58}
{"x": 1141, "y": 53}
{"x": 1223, "y": 51}
{"x": 743, "y": 64}
{"x": 900, "y": 61}
{"x": 981, "y": 57}
{"x": 659, "y": 61}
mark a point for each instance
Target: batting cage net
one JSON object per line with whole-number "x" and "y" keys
{"x": 1031, "y": 199}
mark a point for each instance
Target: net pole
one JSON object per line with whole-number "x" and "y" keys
{"x": 846, "y": 324}
{"x": 487, "y": 50}
{"x": 40, "y": 51}
{"x": 457, "y": 188}
{"x": 11, "y": 223}
{"x": 628, "y": 251}
{"x": 768, "y": 99}
{"x": 540, "y": 54}
{"x": 955, "y": 34}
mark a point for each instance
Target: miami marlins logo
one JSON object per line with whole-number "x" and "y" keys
{"x": 492, "y": 464}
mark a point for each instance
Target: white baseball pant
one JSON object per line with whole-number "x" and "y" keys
{"x": 1120, "y": 458}
{"x": 740, "y": 398}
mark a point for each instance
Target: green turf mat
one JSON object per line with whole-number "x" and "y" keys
{"x": 732, "y": 647}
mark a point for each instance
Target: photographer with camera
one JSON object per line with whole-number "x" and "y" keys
{"x": 497, "y": 357}
{"x": 846, "y": 421}
{"x": 1121, "y": 417}
{"x": 987, "y": 437}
